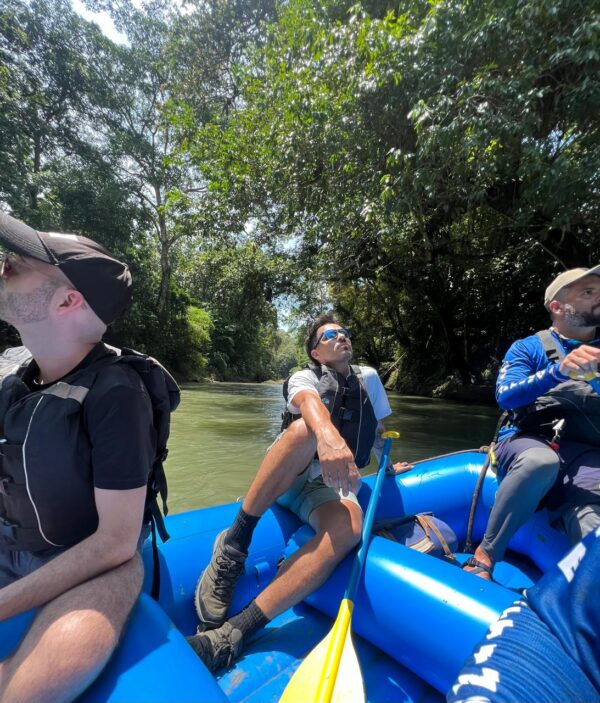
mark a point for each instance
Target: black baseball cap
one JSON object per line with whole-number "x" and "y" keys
{"x": 103, "y": 281}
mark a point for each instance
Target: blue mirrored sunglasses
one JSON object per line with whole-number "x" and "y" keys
{"x": 328, "y": 335}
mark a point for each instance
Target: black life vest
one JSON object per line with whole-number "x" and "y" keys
{"x": 574, "y": 401}
{"x": 46, "y": 484}
{"x": 349, "y": 406}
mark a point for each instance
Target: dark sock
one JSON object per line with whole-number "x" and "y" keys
{"x": 250, "y": 620}
{"x": 239, "y": 535}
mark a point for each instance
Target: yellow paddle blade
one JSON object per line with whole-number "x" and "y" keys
{"x": 391, "y": 434}
{"x": 331, "y": 672}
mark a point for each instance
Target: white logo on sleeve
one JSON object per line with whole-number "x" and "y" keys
{"x": 569, "y": 564}
{"x": 488, "y": 679}
{"x": 498, "y": 627}
{"x": 484, "y": 653}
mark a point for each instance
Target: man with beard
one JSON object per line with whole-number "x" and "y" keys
{"x": 334, "y": 421}
{"x": 550, "y": 449}
{"x": 77, "y": 446}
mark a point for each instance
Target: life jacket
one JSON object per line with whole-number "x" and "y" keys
{"x": 349, "y": 406}
{"x": 46, "y": 483}
{"x": 574, "y": 401}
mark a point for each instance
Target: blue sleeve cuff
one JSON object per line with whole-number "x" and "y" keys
{"x": 553, "y": 370}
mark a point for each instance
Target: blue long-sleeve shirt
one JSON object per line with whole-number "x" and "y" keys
{"x": 548, "y": 648}
{"x": 526, "y": 373}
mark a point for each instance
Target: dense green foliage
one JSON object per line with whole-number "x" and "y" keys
{"x": 423, "y": 168}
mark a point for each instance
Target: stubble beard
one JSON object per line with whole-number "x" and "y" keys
{"x": 26, "y": 308}
{"x": 582, "y": 319}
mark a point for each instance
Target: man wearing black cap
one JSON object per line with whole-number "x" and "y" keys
{"x": 550, "y": 448}
{"x": 77, "y": 443}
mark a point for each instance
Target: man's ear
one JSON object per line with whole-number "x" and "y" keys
{"x": 554, "y": 306}
{"x": 71, "y": 300}
{"x": 315, "y": 355}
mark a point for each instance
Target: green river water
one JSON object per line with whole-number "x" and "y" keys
{"x": 220, "y": 432}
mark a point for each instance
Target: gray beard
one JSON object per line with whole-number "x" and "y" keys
{"x": 25, "y": 308}
{"x": 583, "y": 319}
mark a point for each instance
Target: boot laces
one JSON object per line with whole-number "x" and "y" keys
{"x": 227, "y": 573}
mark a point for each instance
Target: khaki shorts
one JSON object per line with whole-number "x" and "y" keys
{"x": 304, "y": 496}
{"x": 309, "y": 491}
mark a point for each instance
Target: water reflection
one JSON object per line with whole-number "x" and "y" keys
{"x": 221, "y": 431}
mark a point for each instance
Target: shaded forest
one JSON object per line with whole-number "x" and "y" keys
{"x": 424, "y": 168}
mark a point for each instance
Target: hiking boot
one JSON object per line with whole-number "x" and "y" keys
{"x": 217, "y": 648}
{"x": 215, "y": 586}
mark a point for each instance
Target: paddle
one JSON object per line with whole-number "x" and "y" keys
{"x": 331, "y": 672}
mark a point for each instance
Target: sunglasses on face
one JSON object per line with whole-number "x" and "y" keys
{"x": 328, "y": 335}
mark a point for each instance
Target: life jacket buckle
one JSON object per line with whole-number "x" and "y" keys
{"x": 558, "y": 428}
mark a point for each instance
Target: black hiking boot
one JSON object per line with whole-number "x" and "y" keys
{"x": 217, "y": 648}
{"x": 215, "y": 586}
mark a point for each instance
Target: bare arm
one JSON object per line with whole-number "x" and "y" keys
{"x": 120, "y": 516}
{"x": 337, "y": 462}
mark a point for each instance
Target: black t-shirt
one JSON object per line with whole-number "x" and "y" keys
{"x": 118, "y": 416}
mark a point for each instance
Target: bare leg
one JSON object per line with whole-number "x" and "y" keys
{"x": 338, "y": 527}
{"x": 283, "y": 462}
{"x": 71, "y": 639}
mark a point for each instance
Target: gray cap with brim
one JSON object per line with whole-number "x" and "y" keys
{"x": 566, "y": 278}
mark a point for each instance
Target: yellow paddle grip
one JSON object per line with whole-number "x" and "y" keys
{"x": 391, "y": 434}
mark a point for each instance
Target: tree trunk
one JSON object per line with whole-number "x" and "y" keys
{"x": 164, "y": 292}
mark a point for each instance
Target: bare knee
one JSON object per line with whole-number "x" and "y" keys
{"x": 88, "y": 630}
{"x": 299, "y": 433}
{"x": 72, "y": 638}
{"x": 60, "y": 661}
{"x": 296, "y": 447}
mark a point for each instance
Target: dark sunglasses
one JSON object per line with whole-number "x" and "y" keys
{"x": 328, "y": 335}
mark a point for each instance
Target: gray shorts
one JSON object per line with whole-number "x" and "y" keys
{"x": 15, "y": 564}
{"x": 305, "y": 495}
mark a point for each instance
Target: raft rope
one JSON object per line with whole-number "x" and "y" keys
{"x": 489, "y": 460}
{"x": 479, "y": 450}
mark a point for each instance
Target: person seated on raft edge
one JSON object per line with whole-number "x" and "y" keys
{"x": 321, "y": 492}
{"x": 547, "y": 648}
{"x": 69, "y": 533}
{"x": 539, "y": 383}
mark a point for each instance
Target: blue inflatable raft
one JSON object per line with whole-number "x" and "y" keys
{"x": 416, "y": 618}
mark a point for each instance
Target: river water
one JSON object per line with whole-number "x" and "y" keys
{"x": 220, "y": 432}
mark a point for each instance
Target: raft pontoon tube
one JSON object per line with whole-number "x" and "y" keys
{"x": 417, "y": 617}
